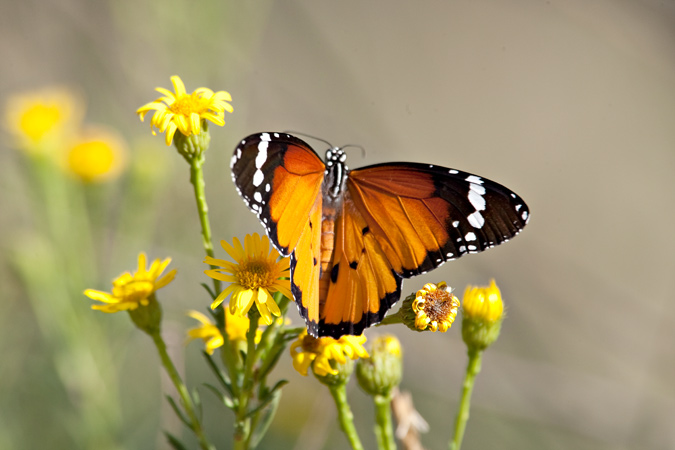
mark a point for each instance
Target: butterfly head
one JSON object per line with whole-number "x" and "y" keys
{"x": 336, "y": 171}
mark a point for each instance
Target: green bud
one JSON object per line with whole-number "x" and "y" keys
{"x": 193, "y": 146}
{"x": 381, "y": 372}
{"x": 479, "y": 334}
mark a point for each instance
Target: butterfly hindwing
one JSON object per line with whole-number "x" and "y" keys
{"x": 423, "y": 215}
{"x": 306, "y": 270}
{"x": 362, "y": 285}
{"x": 279, "y": 177}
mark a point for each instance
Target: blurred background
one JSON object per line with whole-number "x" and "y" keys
{"x": 569, "y": 103}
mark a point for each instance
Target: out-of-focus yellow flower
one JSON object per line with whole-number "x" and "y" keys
{"x": 319, "y": 352}
{"x": 236, "y": 328}
{"x": 36, "y": 119}
{"x": 98, "y": 154}
{"x": 254, "y": 274}
{"x": 483, "y": 302}
{"x": 185, "y": 112}
{"x": 435, "y": 307}
{"x": 131, "y": 291}
{"x": 207, "y": 331}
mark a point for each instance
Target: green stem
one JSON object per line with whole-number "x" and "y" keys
{"x": 472, "y": 370}
{"x": 183, "y": 392}
{"x": 197, "y": 180}
{"x": 345, "y": 416}
{"x": 383, "y": 425}
{"x": 243, "y": 429}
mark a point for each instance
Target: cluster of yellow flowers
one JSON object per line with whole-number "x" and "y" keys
{"x": 47, "y": 124}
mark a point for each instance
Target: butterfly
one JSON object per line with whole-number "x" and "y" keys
{"x": 353, "y": 235}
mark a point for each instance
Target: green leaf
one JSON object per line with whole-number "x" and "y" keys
{"x": 178, "y": 412}
{"x": 197, "y": 402}
{"x": 175, "y": 443}
{"x": 222, "y": 377}
{"x": 267, "y": 415}
{"x": 273, "y": 395}
{"x": 209, "y": 290}
{"x": 227, "y": 401}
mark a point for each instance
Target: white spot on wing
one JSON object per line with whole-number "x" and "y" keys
{"x": 265, "y": 137}
{"x": 453, "y": 171}
{"x": 262, "y": 154}
{"x": 470, "y": 236}
{"x": 524, "y": 215}
{"x": 474, "y": 179}
{"x": 476, "y": 200}
{"x": 258, "y": 178}
{"x": 257, "y": 197}
{"x": 267, "y": 187}
{"x": 455, "y": 223}
{"x": 476, "y": 220}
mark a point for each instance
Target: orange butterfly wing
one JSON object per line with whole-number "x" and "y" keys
{"x": 280, "y": 179}
{"x": 424, "y": 215}
{"x": 362, "y": 285}
{"x": 403, "y": 219}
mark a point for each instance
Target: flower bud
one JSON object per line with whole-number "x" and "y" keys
{"x": 381, "y": 372}
{"x": 482, "y": 311}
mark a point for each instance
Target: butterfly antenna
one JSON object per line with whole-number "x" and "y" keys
{"x": 311, "y": 137}
{"x": 363, "y": 150}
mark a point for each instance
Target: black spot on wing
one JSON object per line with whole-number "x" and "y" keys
{"x": 334, "y": 273}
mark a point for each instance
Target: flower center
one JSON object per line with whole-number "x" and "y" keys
{"x": 255, "y": 274}
{"x": 188, "y": 104}
{"x": 440, "y": 306}
{"x": 310, "y": 344}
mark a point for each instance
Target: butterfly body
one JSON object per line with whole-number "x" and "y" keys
{"x": 353, "y": 235}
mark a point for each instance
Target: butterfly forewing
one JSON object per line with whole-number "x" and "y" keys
{"x": 279, "y": 177}
{"x": 423, "y": 215}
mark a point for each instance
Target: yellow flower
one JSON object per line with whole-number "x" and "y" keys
{"x": 319, "y": 352}
{"x": 483, "y": 303}
{"x": 254, "y": 274}
{"x": 98, "y": 154}
{"x": 236, "y": 328}
{"x": 435, "y": 307}
{"x": 206, "y": 331}
{"x": 131, "y": 291}
{"x": 36, "y": 118}
{"x": 183, "y": 111}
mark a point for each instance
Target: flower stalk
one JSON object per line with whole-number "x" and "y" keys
{"x": 186, "y": 400}
{"x": 472, "y": 370}
{"x": 383, "y": 424}
{"x": 345, "y": 415}
{"x": 197, "y": 181}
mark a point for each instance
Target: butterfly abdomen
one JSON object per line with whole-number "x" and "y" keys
{"x": 327, "y": 248}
